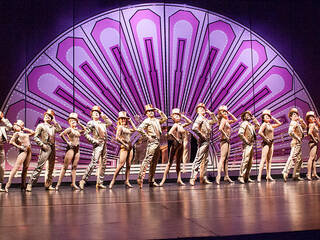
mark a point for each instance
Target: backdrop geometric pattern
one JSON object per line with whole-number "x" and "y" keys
{"x": 169, "y": 55}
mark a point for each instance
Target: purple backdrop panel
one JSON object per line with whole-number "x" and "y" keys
{"x": 146, "y": 28}
{"x": 109, "y": 37}
{"x": 183, "y": 29}
{"x": 217, "y": 41}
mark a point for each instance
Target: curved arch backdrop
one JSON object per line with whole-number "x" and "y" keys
{"x": 168, "y": 55}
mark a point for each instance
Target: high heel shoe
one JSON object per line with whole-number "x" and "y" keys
{"x": 128, "y": 185}
{"x": 218, "y": 179}
{"x": 250, "y": 180}
{"x": 270, "y": 179}
{"x": 205, "y": 181}
{"x": 297, "y": 179}
{"x": 140, "y": 182}
{"x": 50, "y": 188}
{"x": 192, "y": 181}
{"x": 161, "y": 183}
{"x": 285, "y": 177}
{"x": 153, "y": 184}
{"x": 181, "y": 183}
{"x": 57, "y": 188}
{"x": 4, "y": 190}
{"x": 228, "y": 179}
{"x": 74, "y": 187}
{"x": 241, "y": 180}
{"x": 100, "y": 186}
{"x": 316, "y": 177}
{"x": 111, "y": 184}
{"x": 29, "y": 187}
{"x": 81, "y": 184}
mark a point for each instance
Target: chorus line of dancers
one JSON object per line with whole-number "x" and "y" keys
{"x": 96, "y": 133}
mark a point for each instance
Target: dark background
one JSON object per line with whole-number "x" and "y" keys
{"x": 292, "y": 27}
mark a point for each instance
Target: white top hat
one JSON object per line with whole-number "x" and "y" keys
{"x": 176, "y": 111}
{"x": 19, "y": 123}
{"x": 266, "y": 112}
{"x": 223, "y": 108}
{"x": 123, "y": 114}
{"x": 73, "y": 116}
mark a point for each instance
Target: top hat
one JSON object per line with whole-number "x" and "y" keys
{"x": 19, "y": 123}
{"x": 293, "y": 110}
{"x": 309, "y": 114}
{"x": 148, "y": 107}
{"x": 96, "y": 108}
{"x": 73, "y": 116}
{"x": 244, "y": 113}
{"x": 201, "y": 105}
{"x": 176, "y": 111}
{"x": 123, "y": 114}
{"x": 266, "y": 112}
{"x": 50, "y": 112}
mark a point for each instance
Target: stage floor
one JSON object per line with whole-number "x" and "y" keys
{"x": 167, "y": 212}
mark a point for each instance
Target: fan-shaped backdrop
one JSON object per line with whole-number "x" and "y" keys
{"x": 168, "y": 55}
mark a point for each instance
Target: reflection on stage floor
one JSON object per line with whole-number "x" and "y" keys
{"x": 167, "y": 212}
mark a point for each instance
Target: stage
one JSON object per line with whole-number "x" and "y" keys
{"x": 266, "y": 210}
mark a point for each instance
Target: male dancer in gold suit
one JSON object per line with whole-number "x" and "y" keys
{"x": 296, "y": 127}
{"x": 151, "y": 129}
{"x": 45, "y": 138}
{"x": 202, "y": 127}
{"x": 247, "y": 133}
{"x": 96, "y": 134}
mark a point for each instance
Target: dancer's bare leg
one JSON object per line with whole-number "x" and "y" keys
{"x": 67, "y": 160}
{"x": 179, "y": 158}
{"x": 25, "y": 167}
{"x": 128, "y": 166}
{"x": 312, "y": 157}
{"x": 20, "y": 159}
{"x": 269, "y": 160}
{"x": 264, "y": 153}
{"x": 224, "y": 147}
{"x": 166, "y": 171}
{"x": 185, "y": 154}
{"x": 73, "y": 171}
{"x": 225, "y": 166}
{"x": 122, "y": 160}
{"x": 172, "y": 153}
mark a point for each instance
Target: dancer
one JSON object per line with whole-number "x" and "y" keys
{"x": 225, "y": 129}
{"x": 123, "y": 136}
{"x": 98, "y": 139}
{"x": 151, "y": 129}
{"x": 20, "y": 140}
{"x": 73, "y": 149}
{"x": 313, "y": 132}
{"x": 177, "y": 132}
{"x": 5, "y": 126}
{"x": 266, "y": 131}
{"x": 45, "y": 138}
{"x": 296, "y": 127}
{"x": 202, "y": 127}
{"x": 247, "y": 133}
